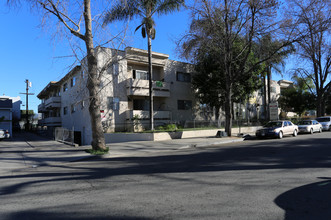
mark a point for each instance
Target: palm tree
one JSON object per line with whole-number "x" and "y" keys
{"x": 145, "y": 9}
{"x": 275, "y": 60}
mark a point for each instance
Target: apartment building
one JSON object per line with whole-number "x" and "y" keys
{"x": 10, "y": 112}
{"x": 124, "y": 92}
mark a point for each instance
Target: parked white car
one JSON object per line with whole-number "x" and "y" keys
{"x": 309, "y": 126}
{"x": 277, "y": 129}
{"x": 4, "y": 134}
{"x": 325, "y": 122}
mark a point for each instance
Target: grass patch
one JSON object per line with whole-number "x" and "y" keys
{"x": 97, "y": 152}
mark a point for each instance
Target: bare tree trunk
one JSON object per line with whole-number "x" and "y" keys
{"x": 98, "y": 142}
{"x": 228, "y": 112}
{"x": 150, "y": 69}
{"x": 265, "y": 98}
{"x": 269, "y": 91}
{"x": 319, "y": 104}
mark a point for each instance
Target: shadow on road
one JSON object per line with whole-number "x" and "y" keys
{"x": 307, "y": 202}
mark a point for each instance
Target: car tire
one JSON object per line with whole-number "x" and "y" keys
{"x": 295, "y": 133}
{"x": 280, "y": 135}
{"x": 311, "y": 131}
{"x": 320, "y": 131}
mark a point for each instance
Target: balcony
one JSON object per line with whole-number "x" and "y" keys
{"x": 51, "y": 121}
{"x": 41, "y": 108}
{"x": 138, "y": 87}
{"x": 53, "y": 102}
{"x": 160, "y": 115}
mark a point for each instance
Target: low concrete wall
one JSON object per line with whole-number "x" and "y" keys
{"x": 162, "y": 136}
{"x": 127, "y": 137}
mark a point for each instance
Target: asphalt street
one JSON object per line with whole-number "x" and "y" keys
{"x": 254, "y": 179}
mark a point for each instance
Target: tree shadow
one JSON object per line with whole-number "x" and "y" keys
{"x": 294, "y": 154}
{"x": 58, "y": 214}
{"x": 310, "y": 201}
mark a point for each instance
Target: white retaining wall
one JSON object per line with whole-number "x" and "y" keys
{"x": 162, "y": 136}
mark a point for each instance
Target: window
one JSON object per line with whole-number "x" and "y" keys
{"x": 273, "y": 89}
{"x": 82, "y": 104}
{"x": 114, "y": 103}
{"x": 73, "y": 81}
{"x": 115, "y": 69}
{"x": 140, "y": 74}
{"x": 184, "y": 104}
{"x": 141, "y": 104}
{"x": 183, "y": 77}
{"x": 65, "y": 110}
{"x": 73, "y": 108}
{"x": 65, "y": 87}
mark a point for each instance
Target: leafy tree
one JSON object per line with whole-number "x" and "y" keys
{"x": 145, "y": 9}
{"x": 233, "y": 27}
{"x": 297, "y": 99}
{"x": 265, "y": 46}
{"x": 312, "y": 23}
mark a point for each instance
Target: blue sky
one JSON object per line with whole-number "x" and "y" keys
{"x": 28, "y": 52}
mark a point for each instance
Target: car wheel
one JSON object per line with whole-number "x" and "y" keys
{"x": 280, "y": 135}
{"x": 320, "y": 131}
{"x": 295, "y": 133}
{"x": 311, "y": 131}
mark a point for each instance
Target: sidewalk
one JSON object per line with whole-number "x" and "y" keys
{"x": 140, "y": 148}
{"x": 31, "y": 150}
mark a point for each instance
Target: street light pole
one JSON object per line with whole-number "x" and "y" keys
{"x": 28, "y": 84}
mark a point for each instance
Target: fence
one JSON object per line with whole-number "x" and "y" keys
{"x": 64, "y": 135}
{"x": 169, "y": 125}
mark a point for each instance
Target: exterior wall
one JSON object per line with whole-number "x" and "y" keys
{"x": 74, "y": 106}
{"x": 6, "y": 106}
{"x": 120, "y": 91}
{"x": 179, "y": 90}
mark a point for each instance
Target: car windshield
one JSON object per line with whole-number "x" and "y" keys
{"x": 273, "y": 124}
{"x": 304, "y": 123}
{"x": 323, "y": 119}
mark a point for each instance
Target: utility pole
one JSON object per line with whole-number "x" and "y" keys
{"x": 28, "y": 84}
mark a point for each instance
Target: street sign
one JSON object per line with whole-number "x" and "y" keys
{"x": 273, "y": 109}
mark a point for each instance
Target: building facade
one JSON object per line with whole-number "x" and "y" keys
{"x": 10, "y": 112}
{"x": 124, "y": 93}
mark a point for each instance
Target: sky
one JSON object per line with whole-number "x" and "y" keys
{"x": 29, "y": 52}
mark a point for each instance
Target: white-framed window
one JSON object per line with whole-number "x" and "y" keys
{"x": 140, "y": 74}
{"x": 82, "y": 104}
{"x": 183, "y": 77}
{"x": 65, "y": 87}
{"x": 73, "y": 81}
{"x": 114, "y": 103}
{"x": 65, "y": 110}
{"x": 184, "y": 104}
{"x": 73, "y": 108}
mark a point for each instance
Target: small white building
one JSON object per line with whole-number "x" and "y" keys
{"x": 10, "y": 111}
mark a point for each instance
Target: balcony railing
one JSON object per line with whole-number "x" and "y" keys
{"x": 53, "y": 102}
{"x": 41, "y": 108}
{"x": 140, "y": 87}
{"x": 145, "y": 114}
{"x": 50, "y": 121}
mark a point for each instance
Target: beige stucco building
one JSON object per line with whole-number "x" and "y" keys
{"x": 124, "y": 93}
